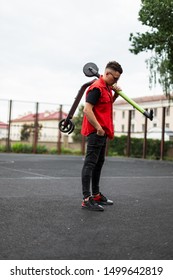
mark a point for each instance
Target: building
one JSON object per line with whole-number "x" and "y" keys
{"x": 3, "y": 130}
{"x": 121, "y": 114}
{"x": 156, "y": 133}
{"x": 48, "y": 122}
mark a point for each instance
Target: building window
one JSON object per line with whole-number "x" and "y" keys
{"x": 123, "y": 114}
{"x": 154, "y": 124}
{"x": 122, "y": 127}
{"x": 133, "y": 114}
{"x": 167, "y": 125}
{"x": 143, "y": 127}
{"x": 155, "y": 112}
{"x": 167, "y": 111}
{"x": 132, "y": 128}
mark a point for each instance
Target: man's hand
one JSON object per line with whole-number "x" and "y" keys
{"x": 100, "y": 131}
{"x": 115, "y": 89}
{"x": 88, "y": 111}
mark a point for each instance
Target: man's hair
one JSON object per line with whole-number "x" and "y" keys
{"x": 114, "y": 66}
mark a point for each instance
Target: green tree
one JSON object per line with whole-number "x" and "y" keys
{"x": 158, "y": 16}
{"x": 27, "y": 130}
{"x": 78, "y": 123}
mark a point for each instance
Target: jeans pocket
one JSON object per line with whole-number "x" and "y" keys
{"x": 95, "y": 139}
{"x": 100, "y": 136}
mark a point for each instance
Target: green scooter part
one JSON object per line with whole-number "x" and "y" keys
{"x": 136, "y": 106}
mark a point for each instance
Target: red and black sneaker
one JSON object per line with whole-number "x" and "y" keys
{"x": 101, "y": 199}
{"x": 90, "y": 204}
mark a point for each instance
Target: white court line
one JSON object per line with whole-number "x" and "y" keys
{"x": 139, "y": 177}
{"x": 27, "y": 172}
{"x": 77, "y": 177}
{"x": 31, "y": 178}
{"x": 42, "y": 176}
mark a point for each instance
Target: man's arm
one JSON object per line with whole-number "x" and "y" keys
{"x": 88, "y": 111}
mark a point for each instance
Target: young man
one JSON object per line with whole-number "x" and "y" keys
{"x": 97, "y": 126}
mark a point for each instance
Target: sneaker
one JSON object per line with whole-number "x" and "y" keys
{"x": 101, "y": 199}
{"x": 90, "y": 204}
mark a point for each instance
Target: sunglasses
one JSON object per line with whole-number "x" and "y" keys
{"x": 115, "y": 78}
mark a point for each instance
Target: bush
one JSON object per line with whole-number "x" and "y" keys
{"x": 66, "y": 151}
{"x": 21, "y": 148}
{"x": 53, "y": 151}
{"x": 41, "y": 149}
{"x": 153, "y": 148}
{"x": 118, "y": 146}
{"x": 27, "y": 148}
{"x": 3, "y": 148}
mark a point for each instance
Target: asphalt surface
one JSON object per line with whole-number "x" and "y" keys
{"x": 41, "y": 215}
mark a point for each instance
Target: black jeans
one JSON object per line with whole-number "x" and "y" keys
{"x": 94, "y": 159}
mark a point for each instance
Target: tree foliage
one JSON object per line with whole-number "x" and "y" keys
{"x": 27, "y": 130}
{"x": 78, "y": 123}
{"x": 158, "y": 16}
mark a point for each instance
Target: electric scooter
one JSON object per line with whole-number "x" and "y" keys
{"x": 91, "y": 70}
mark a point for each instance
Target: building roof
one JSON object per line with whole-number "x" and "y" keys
{"x": 3, "y": 125}
{"x": 46, "y": 116}
{"x": 143, "y": 99}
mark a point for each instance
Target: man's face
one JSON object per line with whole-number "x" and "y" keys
{"x": 112, "y": 77}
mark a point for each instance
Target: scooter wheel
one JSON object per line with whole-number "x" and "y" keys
{"x": 66, "y": 126}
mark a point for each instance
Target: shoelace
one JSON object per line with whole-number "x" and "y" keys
{"x": 92, "y": 201}
{"x": 103, "y": 196}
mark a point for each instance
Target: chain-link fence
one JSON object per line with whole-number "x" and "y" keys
{"x": 33, "y": 126}
{"x": 32, "y": 123}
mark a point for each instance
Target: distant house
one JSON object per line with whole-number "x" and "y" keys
{"x": 156, "y": 133}
{"x": 157, "y": 102}
{"x": 48, "y": 121}
{"x": 3, "y": 130}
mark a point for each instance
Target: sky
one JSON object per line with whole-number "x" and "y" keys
{"x": 45, "y": 44}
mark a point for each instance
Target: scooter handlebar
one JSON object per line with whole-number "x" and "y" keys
{"x": 149, "y": 115}
{"x": 137, "y": 106}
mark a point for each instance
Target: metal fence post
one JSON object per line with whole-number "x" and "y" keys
{"x": 145, "y": 138}
{"x": 83, "y": 145}
{"x": 8, "y": 145}
{"x": 59, "y": 132}
{"x": 107, "y": 147}
{"x": 129, "y": 134}
{"x": 35, "y": 130}
{"x": 162, "y": 146}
